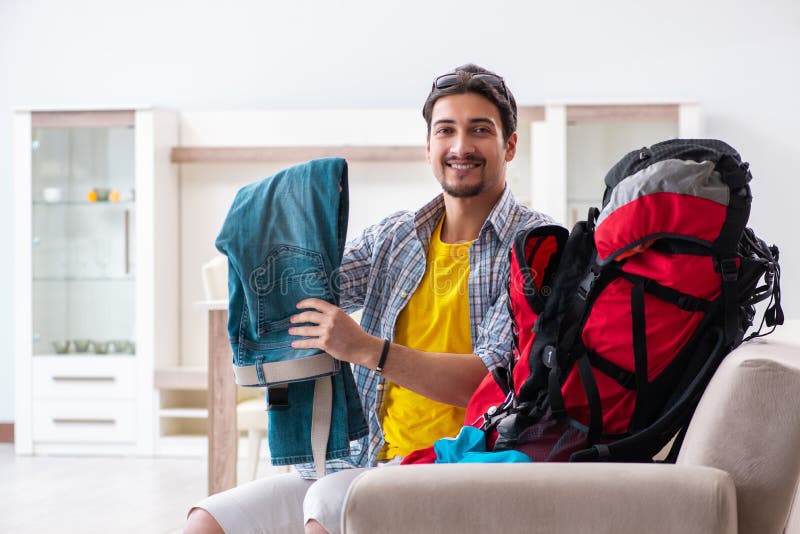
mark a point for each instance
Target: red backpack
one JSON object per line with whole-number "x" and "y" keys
{"x": 619, "y": 327}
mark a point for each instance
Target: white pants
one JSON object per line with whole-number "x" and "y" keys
{"x": 281, "y": 504}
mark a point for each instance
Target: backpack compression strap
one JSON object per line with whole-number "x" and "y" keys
{"x": 736, "y": 175}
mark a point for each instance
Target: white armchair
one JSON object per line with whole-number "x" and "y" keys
{"x": 738, "y": 471}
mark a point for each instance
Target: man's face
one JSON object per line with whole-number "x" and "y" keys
{"x": 466, "y": 148}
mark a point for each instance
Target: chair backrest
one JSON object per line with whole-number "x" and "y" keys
{"x": 215, "y": 287}
{"x": 748, "y": 424}
{"x": 215, "y": 279}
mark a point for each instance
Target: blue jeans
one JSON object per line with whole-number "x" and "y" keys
{"x": 284, "y": 237}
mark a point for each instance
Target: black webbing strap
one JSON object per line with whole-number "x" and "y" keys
{"x": 667, "y": 294}
{"x": 736, "y": 175}
{"x": 639, "y": 354}
{"x": 504, "y": 379}
{"x": 729, "y": 270}
{"x": 580, "y": 304}
{"x": 550, "y": 359}
{"x": 624, "y": 378}
{"x": 635, "y": 446}
{"x": 592, "y": 396}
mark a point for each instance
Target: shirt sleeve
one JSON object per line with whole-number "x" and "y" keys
{"x": 494, "y": 335}
{"x": 354, "y": 270}
{"x": 357, "y": 262}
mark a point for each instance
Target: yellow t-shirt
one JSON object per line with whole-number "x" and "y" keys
{"x": 436, "y": 319}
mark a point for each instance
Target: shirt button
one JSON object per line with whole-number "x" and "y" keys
{"x": 403, "y": 294}
{"x": 380, "y": 387}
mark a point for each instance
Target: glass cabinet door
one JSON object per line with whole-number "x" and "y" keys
{"x": 574, "y": 147}
{"x": 593, "y": 148}
{"x": 84, "y": 210}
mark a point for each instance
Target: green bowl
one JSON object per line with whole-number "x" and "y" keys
{"x": 61, "y": 347}
{"x": 81, "y": 345}
{"x": 120, "y": 346}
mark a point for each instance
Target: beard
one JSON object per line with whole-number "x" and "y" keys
{"x": 463, "y": 190}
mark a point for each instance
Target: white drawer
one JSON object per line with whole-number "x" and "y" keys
{"x": 84, "y": 377}
{"x": 83, "y": 421}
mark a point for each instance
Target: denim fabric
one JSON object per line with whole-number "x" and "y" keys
{"x": 284, "y": 237}
{"x": 289, "y": 440}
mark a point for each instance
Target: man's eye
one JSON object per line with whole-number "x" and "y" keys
{"x": 442, "y": 131}
{"x": 482, "y": 130}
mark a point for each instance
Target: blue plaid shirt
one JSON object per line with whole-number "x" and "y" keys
{"x": 382, "y": 268}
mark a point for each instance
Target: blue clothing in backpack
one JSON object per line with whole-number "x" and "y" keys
{"x": 284, "y": 237}
{"x": 469, "y": 447}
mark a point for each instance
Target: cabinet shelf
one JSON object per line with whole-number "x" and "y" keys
{"x": 262, "y": 154}
{"x": 181, "y": 378}
{"x": 84, "y": 278}
{"x": 121, "y": 204}
{"x": 184, "y": 413}
{"x": 86, "y": 355}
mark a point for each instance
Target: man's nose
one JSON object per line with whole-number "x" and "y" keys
{"x": 462, "y": 145}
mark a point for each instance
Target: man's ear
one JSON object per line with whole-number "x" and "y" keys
{"x": 511, "y": 147}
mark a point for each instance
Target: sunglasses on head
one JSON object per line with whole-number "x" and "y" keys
{"x": 449, "y": 80}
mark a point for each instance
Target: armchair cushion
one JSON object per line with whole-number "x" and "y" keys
{"x": 748, "y": 424}
{"x": 541, "y": 498}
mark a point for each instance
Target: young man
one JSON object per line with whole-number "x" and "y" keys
{"x": 432, "y": 287}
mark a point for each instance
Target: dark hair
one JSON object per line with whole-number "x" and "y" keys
{"x": 467, "y": 84}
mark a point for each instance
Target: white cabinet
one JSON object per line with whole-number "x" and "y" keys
{"x": 575, "y": 145}
{"x": 95, "y": 276}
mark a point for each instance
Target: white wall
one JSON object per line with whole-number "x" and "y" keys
{"x": 738, "y": 59}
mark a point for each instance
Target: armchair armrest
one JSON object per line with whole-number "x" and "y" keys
{"x": 541, "y": 498}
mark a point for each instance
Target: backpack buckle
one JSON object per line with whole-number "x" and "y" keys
{"x": 586, "y": 284}
{"x": 549, "y": 356}
{"x": 729, "y": 269}
{"x": 495, "y": 414}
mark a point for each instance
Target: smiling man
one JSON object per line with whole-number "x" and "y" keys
{"x": 431, "y": 284}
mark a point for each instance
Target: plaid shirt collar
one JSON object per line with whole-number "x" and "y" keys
{"x": 499, "y": 219}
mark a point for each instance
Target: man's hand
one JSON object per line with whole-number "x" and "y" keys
{"x": 335, "y": 332}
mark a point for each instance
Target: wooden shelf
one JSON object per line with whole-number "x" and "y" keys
{"x": 622, "y": 113}
{"x": 295, "y": 153}
{"x": 529, "y": 114}
{"x": 184, "y": 413}
{"x": 83, "y": 119}
{"x": 262, "y": 154}
{"x": 192, "y": 378}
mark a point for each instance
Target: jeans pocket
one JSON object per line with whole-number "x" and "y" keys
{"x": 288, "y": 275}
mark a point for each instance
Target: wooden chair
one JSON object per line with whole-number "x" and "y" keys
{"x": 251, "y": 414}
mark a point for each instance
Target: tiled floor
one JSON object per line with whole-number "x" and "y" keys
{"x": 44, "y": 495}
